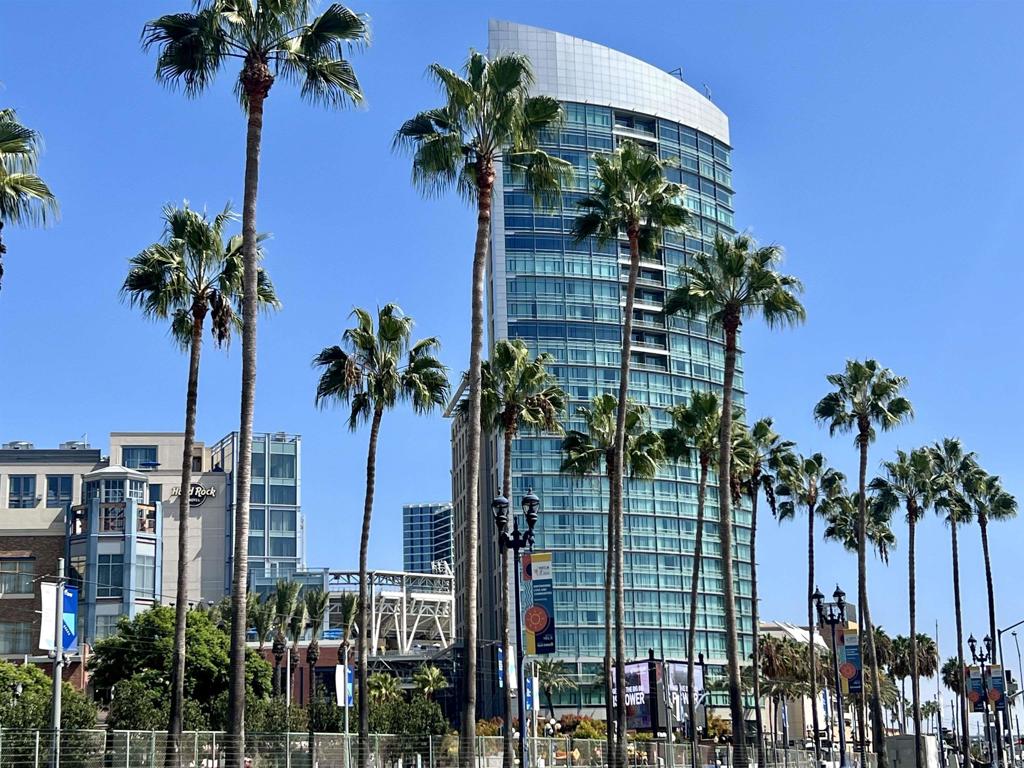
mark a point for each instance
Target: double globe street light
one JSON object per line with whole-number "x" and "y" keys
{"x": 982, "y": 656}
{"x": 517, "y": 540}
{"x": 833, "y": 614}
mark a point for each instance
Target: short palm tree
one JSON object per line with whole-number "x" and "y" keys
{"x": 866, "y": 396}
{"x": 901, "y": 666}
{"x": 267, "y": 38}
{"x": 317, "y": 601}
{"x": 488, "y": 121}
{"x": 955, "y": 470}
{"x": 844, "y": 527}
{"x": 736, "y": 280}
{"x": 630, "y": 195}
{"x": 373, "y": 370}
{"x": 518, "y": 392}
{"x": 770, "y": 458}
{"x": 953, "y": 675}
{"x": 909, "y": 483}
{"x": 382, "y": 688}
{"x": 193, "y": 273}
{"x": 552, "y": 678}
{"x": 286, "y": 596}
{"x": 587, "y": 453}
{"x": 261, "y": 618}
{"x": 24, "y": 197}
{"x": 346, "y": 611}
{"x": 429, "y": 680}
{"x": 812, "y": 484}
{"x": 296, "y": 630}
{"x": 694, "y": 434}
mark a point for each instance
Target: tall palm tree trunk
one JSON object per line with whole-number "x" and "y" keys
{"x": 633, "y": 233}
{"x": 1000, "y": 721}
{"x": 762, "y": 759}
{"x": 965, "y": 730}
{"x": 256, "y": 80}
{"x": 915, "y": 667}
{"x": 507, "y": 742}
{"x": 867, "y": 635}
{"x": 485, "y": 188}
{"x": 812, "y": 651}
{"x": 691, "y": 636}
{"x": 363, "y": 638}
{"x": 739, "y": 734}
{"x": 609, "y": 581}
{"x": 175, "y": 721}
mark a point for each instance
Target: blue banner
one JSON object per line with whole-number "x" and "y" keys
{"x": 997, "y": 688}
{"x": 501, "y": 668}
{"x": 976, "y": 689}
{"x": 539, "y": 618}
{"x": 850, "y": 668}
{"x": 69, "y": 622}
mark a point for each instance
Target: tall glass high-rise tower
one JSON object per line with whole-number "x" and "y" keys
{"x": 566, "y": 299}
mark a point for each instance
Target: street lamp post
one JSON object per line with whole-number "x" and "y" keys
{"x": 833, "y": 614}
{"x": 981, "y": 656}
{"x": 517, "y": 540}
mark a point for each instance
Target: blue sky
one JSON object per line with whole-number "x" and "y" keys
{"x": 880, "y": 143}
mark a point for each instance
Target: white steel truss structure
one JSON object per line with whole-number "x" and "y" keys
{"x": 410, "y": 613}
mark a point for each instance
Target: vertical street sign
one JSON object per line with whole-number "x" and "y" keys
{"x": 539, "y": 617}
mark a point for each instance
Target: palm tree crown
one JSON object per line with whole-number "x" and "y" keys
{"x": 195, "y": 269}
{"x": 843, "y": 525}
{"x": 518, "y": 391}
{"x": 375, "y": 368}
{"x": 866, "y": 395}
{"x": 585, "y": 451}
{"x": 429, "y": 680}
{"x": 194, "y": 46}
{"x": 908, "y": 482}
{"x": 24, "y": 197}
{"x": 487, "y": 117}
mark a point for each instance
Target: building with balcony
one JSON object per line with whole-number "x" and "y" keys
{"x": 565, "y": 298}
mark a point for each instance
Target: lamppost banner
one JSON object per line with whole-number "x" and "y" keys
{"x": 975, "y": 689}
{"x": 539, "y": 597}
{"x": 850, "y": 667}
{"x": 997, "y": 687}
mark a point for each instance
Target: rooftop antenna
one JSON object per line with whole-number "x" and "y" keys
{"x": 707, "y": 92}
{"x": 677, "y": 72}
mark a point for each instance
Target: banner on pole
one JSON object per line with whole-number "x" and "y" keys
{"x": 997, "y": 687}
{"x": 850, "y": 668}
{"x": 976, "y": 689}
{"x": 69, "y": 623}
{"x": 48, "y": 618}
{"x": 539, "y": 597}
{"x": 343, "y": 685}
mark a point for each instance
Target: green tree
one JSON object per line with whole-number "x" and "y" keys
{"x": 865, "y": 396}
{"x": 488, "y": 121}
{"x": 517, "y": 392}
{"x": 586, "y": 453}
{"x": 553, "y": 678}
{"x": 286, "y": 596}
{"x": 844, "y": 527}
{"x": 25, "y": 199}
{"x": 28, "y": 708}
{"x": 908, "y": 482}
{"x": 954, "y": 469}
{"x": 694, "y": 433}
{"x": 260, "y": 614}
{"x": 296, "y": 629}
{"x": 193, "y": 272}
{"x": 737, "y": 279}
{"x": 631, "y": 194}
{"x": 812, "y": 484}
{"x": 429, "y": 680}
{"x": 953, "y": 675}
{"x": 770, "y": 457}
{"x": 382, "y": 687}
{"x": 268, "y": 38}
{"x": 372, "y": 371}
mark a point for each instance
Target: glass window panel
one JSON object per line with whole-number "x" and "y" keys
{"x": 22, "y": 491}
{"x": 58, "y": 490}
{"x": 138, "y": 456}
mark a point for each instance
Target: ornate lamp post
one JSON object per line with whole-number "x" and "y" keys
{"x": 834, "y": 614}
{"x": 517, "y": 540}
{"x": 982, "y": 656}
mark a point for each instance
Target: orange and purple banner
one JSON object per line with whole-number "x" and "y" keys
{"x": 539, "y": 598}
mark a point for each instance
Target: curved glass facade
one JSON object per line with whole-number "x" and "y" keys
{"x": 566, "y": 299}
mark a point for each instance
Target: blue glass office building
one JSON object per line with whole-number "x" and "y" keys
{"x": 426, "y": 536}
{"x": 566, "y": 299}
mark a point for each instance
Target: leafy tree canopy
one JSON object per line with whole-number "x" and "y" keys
{"x": 30, "y": 710}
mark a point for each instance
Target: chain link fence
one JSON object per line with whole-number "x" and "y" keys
{"x": 208, "y": 749}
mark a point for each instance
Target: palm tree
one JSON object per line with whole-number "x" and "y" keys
{"x": 631, "y": 195}
{"x": 953, "y": 675}
{"x": 24, "y": 197}
{"x": 286, "y": 595}
{"x": 954, "y": 469}
{"x": 317, "y": 602}
{"x": 585, "y": 454}
{"x": 267, "y": 37}
{"x": 810, "y": 483}
{"x": 866, "y": 396}
{"x": 844, "y": 526}
{"x": 517, "y": 392}
{"x": 737, "y": 280}
{"x": 927, "y": 656}
{"x": 770, "y": 457}
{"x": 901, "y": 666}
{"x": 193, "y": 272}
{"x": 909, "y": 482}
{"x": 694, "y": 430}
{"x": 372, "y": 371}
{"x": 346, "y": 610}
{"x": 488, "y": 121}
{"x": 261, "y": 618}
{"x": 381, "y": 688}
{"x": 552, "y": 678}
{"x": 429, "y": 680}
{"x": 296, "y": 629}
